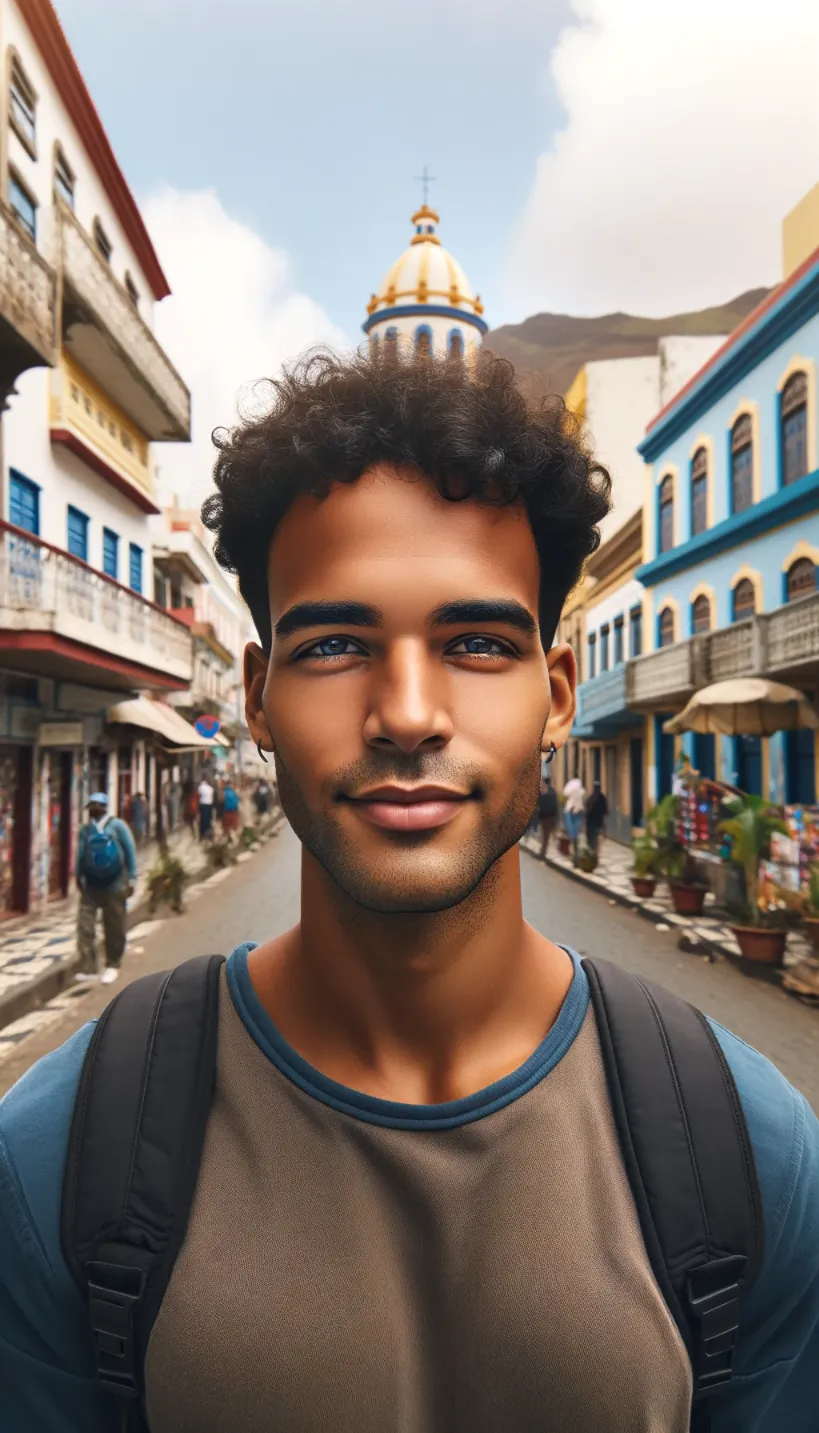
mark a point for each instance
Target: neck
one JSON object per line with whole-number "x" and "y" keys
{"x": 416, "y": 1008}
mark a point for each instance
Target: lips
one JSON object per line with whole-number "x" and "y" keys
{"x": 419, "y": 808}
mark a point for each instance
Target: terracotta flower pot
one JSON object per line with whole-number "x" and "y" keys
{"x": 766, "y": 947}
{"x": 687, "y": 900}
{"x": 811, "y": 924}
{"x": 644, "y": 886}
{"x": 564, "y": 845}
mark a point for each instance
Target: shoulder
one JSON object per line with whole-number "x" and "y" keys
{"x": 781, "y": 1318}
{"x": 37, "y": 1294}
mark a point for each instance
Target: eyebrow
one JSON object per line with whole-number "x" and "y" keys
{"x": 449, "y": 614}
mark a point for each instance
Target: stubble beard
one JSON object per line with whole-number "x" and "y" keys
{"x": 409, "y": 877}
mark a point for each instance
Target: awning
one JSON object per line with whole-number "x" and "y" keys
{"x": 748, "y": 706}
{"x": 222, "y": 740}
{"x": 157, "y": 717}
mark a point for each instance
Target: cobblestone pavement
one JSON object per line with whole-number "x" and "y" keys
{"x": 261, "y": 897}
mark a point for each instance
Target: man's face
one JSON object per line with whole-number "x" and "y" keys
{"x": 407, "y": 714}
{"x": 96, "y": 813}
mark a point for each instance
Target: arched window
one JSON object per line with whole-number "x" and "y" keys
{"x": 801, "y": 578}
{"x": 742, "y": 464}
{"x": 744, "y": 599}
{"x": 456, "y": 344}
{"x": 391, "y": 342}
{"x": 423, "y": 341}
{"x": 701, "y": 614}
{"x": 794, "y": 428}
{"x": 699, "y": 492}
{"x": 667, "y": 513}
{"x": 667, "y": 627}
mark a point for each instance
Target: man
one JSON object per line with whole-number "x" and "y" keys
{"x": 206, "y": 794}
{"x": 574, "y": 804}
{"x": 106, "y": 871}
{"x": 547, "y": 812}
{"x": 139, "y": 816}
{"x": 597, "y": 809}
{"x": 230, "y": 809}
{"x": 412, "y": 1209}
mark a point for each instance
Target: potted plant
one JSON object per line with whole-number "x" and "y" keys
{"x": 165, "y": 882}
{"x": 673, "y": 860}
{"x": 586, "y": 859}
{"x": 750, "y": 823}
{"x": 249, "y": 838}
{"x": 221, "y": 854}
{"x": 564, "y": 843}
{"x": 643, "y": 879}
{"x": 810, "y": 918}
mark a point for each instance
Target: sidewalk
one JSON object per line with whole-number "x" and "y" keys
{"x": 38, "y": 954}
{"x": 710, "y": 932}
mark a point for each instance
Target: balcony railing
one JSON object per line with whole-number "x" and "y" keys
{"x": 27, "y": 284}
{"x": 602, "y": 705}
{"x": 45, "y": 590}
{"x": 129, "y": 364}
{"x": 783, "y": 644}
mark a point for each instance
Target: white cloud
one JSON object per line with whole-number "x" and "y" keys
{"x": 233, "y": 317}
{"x": 692, "y": 128}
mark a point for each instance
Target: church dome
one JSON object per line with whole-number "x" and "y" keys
{"x": 426, "y": 293}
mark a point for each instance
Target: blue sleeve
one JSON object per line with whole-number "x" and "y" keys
{"x": 47, "y": 1379}
{"x": 775, "y": 1387}
{"x": 124, "y": 836}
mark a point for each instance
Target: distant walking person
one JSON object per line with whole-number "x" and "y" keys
{"x": 597, "y": 809}
{"x": 230, "y": 809}
{"x": 190, "y": 804}
{"x": 547, "y": 813}
{"x": 139, "y": 817}
{"x": 574, "y": 802}
{"x": 205, "y": 808}
{"x": 106, "y": 871}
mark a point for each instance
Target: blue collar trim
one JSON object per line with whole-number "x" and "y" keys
{"x": 392, "y": 1113}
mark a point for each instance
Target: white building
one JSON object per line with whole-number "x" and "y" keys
{"x": 88, "y": 390}
{"x": 615, "y": 400}
{"x": 425, "y": 301}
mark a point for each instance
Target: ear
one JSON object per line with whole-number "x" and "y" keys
{"x": 563, "y": 683}
{"x": 255, "y": 676}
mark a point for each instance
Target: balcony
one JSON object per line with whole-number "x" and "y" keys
{"x": 59, "y": 618}
{"x": 104, "y": 334}
{"x": 27, "y": 287}
{"x": 82, "y": 418}
{"x": 602, "y": 708}
{"x": 783, "y": 645}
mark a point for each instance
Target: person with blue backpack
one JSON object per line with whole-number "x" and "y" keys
{"x": 106, "y": 871}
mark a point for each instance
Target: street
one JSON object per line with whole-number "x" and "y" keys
{"x": 259, "y": 898}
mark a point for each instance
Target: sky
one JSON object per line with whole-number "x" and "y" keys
{"x": 589, "y": 156}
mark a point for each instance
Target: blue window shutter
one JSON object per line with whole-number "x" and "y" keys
{"x": 135, "y": 567}
{"x": 77, "y": 533}
{"x": 110, "y": 553}
{"x": 24, "y": 503}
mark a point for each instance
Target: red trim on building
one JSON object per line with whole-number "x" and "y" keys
{"x": 747, "y": 323}
{"x": 50, "y": 40}
{"x": 14, "y": 641}
{"x": 75, "y": 444}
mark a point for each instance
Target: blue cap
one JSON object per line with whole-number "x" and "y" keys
{"x": 98, "y": 798}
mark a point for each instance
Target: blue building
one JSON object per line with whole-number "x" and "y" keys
{"x": 731, "y": 534}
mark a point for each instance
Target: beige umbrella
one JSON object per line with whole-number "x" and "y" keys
{"x": 749, "y": 706}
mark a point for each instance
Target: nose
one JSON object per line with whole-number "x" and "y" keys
{"x": 408, "y": 706}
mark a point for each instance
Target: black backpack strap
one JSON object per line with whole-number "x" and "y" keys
{"x": 133, "y": 1158}
{"x": 689, "y": 1159}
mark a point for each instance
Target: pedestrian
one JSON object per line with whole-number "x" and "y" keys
{"x": 230, "y": 809}
{"x": 574, "y": 803}
{"x": 261, "y": 799}
{"x": 597, "y": 809}
{"x": 139, "y": 816}
{"x": 411, "y": 1163}
{"x": 190, "y": 804}
{"x": 547, "y": 812}
{"x": 205, "y": 798}
{"x": 106, "y": 871}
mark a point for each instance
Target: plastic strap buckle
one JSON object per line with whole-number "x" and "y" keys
{"x": 113, "y": 1293}
{"x": 716, "y": 1321}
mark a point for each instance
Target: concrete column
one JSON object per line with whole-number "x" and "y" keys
{"x": 113, "y": 782}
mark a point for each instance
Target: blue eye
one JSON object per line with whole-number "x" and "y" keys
{"x": 483, "y": 647}
{"x": 331, "y": 647}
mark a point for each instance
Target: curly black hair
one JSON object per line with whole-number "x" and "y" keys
{"x": 468, "y": 428}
